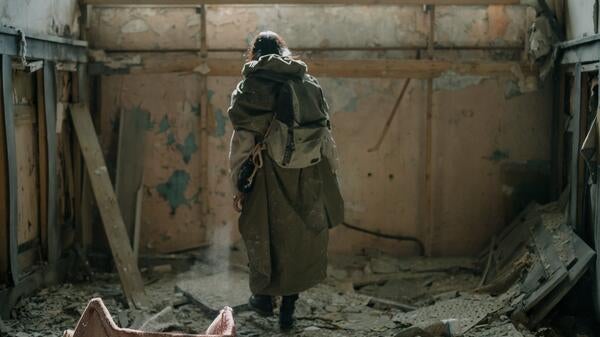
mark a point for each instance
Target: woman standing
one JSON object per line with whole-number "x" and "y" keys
{"x": 283, "y": 166}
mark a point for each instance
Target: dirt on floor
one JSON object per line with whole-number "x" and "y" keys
{"x": 367, "y": 295}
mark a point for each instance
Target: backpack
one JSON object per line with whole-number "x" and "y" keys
{"x": 296, "y": 133}
{"x": 300, "y": 124}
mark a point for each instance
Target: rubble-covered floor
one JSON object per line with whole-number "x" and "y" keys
{"x": 368, "y": 295}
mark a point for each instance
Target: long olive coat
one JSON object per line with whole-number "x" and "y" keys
{"x": 286, "y": 217}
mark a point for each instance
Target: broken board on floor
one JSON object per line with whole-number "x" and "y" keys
{"x": 214, "y": 292}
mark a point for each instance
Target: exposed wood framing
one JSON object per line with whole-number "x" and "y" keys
{"x": 557, "y": 138}
{"x": 429, "y": 220}
{"x": 11, "y": 148}
{"x": 4, "y": 200}
{"x": 204, "y": 107}
{"x": 575, "y": 140}
{"x": 381, "y": 68}
{"x": 43, "y": 161}
{"x": 317, "y": 49}
{"x": 131, "y": 279}
{"x": 582, "y": 206}
{"x": 303, "y": 2}
{"x": 54, "y": 234}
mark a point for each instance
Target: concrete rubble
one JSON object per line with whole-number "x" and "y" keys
{"x": 507, "y": 291}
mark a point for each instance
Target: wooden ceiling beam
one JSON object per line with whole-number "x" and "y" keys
{"x": 304, "y": 2}
{"x": 134, "y": 63}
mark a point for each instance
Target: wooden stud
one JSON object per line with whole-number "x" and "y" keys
{"x": 574, "y": 160}
{"x": 54, "y": 233}
{"x": 131, "y": 279}
{"x": 204, "y": 107}
{"x": 582, "y": 221}
{"x": 557, "y": 137}
{"x": 43, "y": 161}
{"x": 11, "y": 148}
{"x": 432, "y": 243}
{"x": 4, "y": 195}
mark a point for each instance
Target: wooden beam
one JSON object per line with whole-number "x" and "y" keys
{"x": 574, "y": 127}
{"x": 43, "y": 161}
{"x": 305, "y": 2}
{"x": 373, "y": 68}
{"x": 54, "y": 233}
{"x": 4, "y": 195}
{"x": 131, "y": 279}
{"x": 11, "y": 149}
{"x": 204, "y": 113}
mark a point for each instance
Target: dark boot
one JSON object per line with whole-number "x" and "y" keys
{"x": 286, "y": 312}
{"x": 261, "y": 304}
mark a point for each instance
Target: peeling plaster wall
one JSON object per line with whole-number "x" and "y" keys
{"x": 45, "y": 17}
{"x": 580, "y": 18}
{"x": 490, "y": 143}
{"x": 167, "y": 104}
{"x": 317, "y": 26}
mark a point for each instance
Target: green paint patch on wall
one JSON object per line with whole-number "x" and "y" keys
{"x": 173, "y": 190}
{"x": 220, "y": 121}
{"x": 351, "y": 105}
{"x": 170, "y": 138}
{"x": 196, "y": 110}
{"x": 142, "y": 117}
{"x": 164, "y": 124}
{"x": 188, "y": 147}
{"x": 498, "y": 156}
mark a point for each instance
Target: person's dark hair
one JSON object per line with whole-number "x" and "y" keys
{"x": 266, "y": 43}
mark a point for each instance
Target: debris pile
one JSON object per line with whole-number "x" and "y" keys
{"x": 529, "y": 267}
{"x": 526, "y": 270}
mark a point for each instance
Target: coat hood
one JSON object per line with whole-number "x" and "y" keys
{"x": 281, "y": 65}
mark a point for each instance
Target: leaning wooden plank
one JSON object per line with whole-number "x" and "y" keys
{"x": 131, "y": 279}
{"x": 130, "y": 166}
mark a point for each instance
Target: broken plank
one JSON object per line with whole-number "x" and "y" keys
{"x": 131, "y": 279}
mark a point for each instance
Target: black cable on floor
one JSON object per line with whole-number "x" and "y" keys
{"x": 389, "y": 236}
